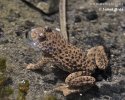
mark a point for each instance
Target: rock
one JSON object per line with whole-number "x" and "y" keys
{"x": 77, "y": 19}
{"x": 24, "y": 28}
{"x": 1, "y": 32}
{"x": 101, "y": 1}
{"x": 92, "y": 15}
{"x": 94, "y": 40}
{"x": 1, "y": 25}
{"x": 49, "y": 19}
{"x": 47, "y": 6}
{"x": 3, "y": 39}
{"x": 106, "y": 26}
{"x": 123, "y": 24}
{"x": 13, "y": 15}
{"x": 29, "y": 24}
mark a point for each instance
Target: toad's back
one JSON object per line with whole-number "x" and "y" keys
{"x": 70, "y": 57}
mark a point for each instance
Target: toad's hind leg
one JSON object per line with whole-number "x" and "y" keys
{"x": 80, "y": 78}
{"x": 39, "y": 64}
{"x": 97, "y": 57}
{"x": 101, "y": 58}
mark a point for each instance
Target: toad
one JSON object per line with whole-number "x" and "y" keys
{"x": 78, "y": 63}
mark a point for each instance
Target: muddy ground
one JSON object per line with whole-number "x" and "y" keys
{"x": 88, "y": 26}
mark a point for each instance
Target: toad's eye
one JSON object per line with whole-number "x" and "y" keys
{"x": 42, "y": 37}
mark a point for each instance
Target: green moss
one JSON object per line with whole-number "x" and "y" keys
{"x": 21, "y": 96}
{"x": 2, "y": 79}
{"x": 50, "y": 97}
{"x": 8, "y": 91}
{"x": 23, "y": 88}
{"x": 2, "y": 64}
{"x": 5, "y": 91}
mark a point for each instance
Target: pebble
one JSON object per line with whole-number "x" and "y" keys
{"x": 1, "y": 32}
{"x": 106, "y": 26}
{"x": 49, "y": 19}
{"x": 13, "y": 15}
{"x": 46, "y": 6}
{"x": 123, "y": 24}
{"x": 3, "y": 39}
{"x": 27, "y": 25}
{"x": 101, "y": 1}
{"x": 77, "y": 19}
{"x": 92, "y": 15}
{"x": 1, "y": 25}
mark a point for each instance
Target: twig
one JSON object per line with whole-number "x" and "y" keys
{"x": 62, "y": 13}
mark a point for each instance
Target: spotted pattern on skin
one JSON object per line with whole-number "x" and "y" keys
{"x": 72, "y": 59}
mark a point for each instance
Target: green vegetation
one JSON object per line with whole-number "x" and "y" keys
{"x": 5, "y": 92}
{"x": 22, "y": 90}
{"x": 50, "y": 97}
{"x": 5, "y": 89}
{"x": 2, "y": 64}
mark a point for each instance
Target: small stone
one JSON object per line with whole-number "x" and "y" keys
{"x": 101, "y": 1}
{"x": 46, "y": 6}
{"x": 1, "y": 25}
{"x": 77, "y": 19}
{"x": 18, "y": 33}
{"x": 122, "y": 70}
{"x": 49, "y": 7}
{"x": 73, "y": 33}
{"x": 24, "y": 28}
{"x": 123, "y": 25}
{"x": 29, "y": 24}
{"x": 49, "y": 19}
{"x": 106, "y": 26}
{"x": 13, "y": 15}
{"x": 1, "y": 32}
{"x": 73, "y": 41}
{"x": 92, "y": 15}
{"x": 106, "y": 97}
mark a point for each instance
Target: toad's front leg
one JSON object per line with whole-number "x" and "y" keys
{"x": 39, "y": 64}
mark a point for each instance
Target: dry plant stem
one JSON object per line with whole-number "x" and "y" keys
{"x": 62, "y": 12}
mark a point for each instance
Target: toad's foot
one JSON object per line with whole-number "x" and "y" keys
{"x": 30, "y": 66}
{"x": 66, "y": 89}
{"x": 39, "y": 64}
{"x": 80, "y": 78}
